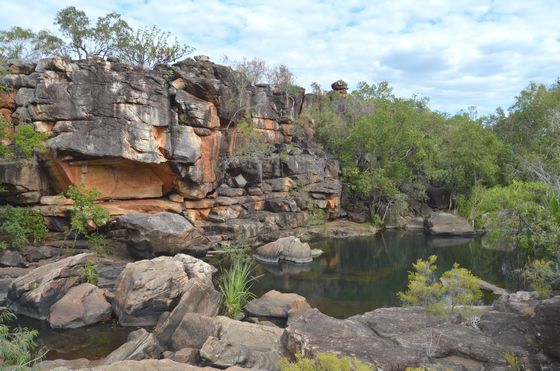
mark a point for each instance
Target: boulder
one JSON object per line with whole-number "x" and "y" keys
{"x": 521, "y": 302}
{"x": 147, "y": 288}
{"x": 11, "y": 258}
{"x": 186, "y": 355}
{"x": 197, "y": 297}
{"x": 160, "y": 233}
{"x": 286, "y": 248}
{"x": 82, "y": 305}
{"x": 244, "y": 344}
{"x": 440, "y": 223}
{"x": 339, "y": 85}
{"x": 193, "y": 331}
{"x": 196, "y": 268}
{"x": 276, "y": 304}
{"x": 547, "y": 323}
{"x": 140, "y": 345}
{"x": 23, "y": 180}
{"x": 34, "y": 254}
{"x": 34, "y": 293}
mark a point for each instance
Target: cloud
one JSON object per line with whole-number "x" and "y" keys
{"x": 459, "y": 53}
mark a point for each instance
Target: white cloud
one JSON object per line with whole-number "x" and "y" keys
{"x": 459, "y": 53}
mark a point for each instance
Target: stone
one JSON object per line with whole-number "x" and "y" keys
{"x": 140, "y": 345}
{"x": 547, "y": 323}
{"x": 23, "y": 179}
{"x": 83, "y": 305}
{"x": 34, "y": 293}
{"x": 521, "y": 302}
{"x": 193, "y": 331}
{"x": 186, "y": 144}
{"x": 240, "y": 181}
{"x": 197, "y": 297}
{"x": 187, "y": 355}
{"x": 196, "y": 268}
{"x": 440, "y": 223}
{"x": 244, "y": 344}
{"x": 158, "y": 233}
{"x": 194, "y": 111}
{"x": 286, "y": 248}
{"x": 176, "y": 198}
{"x": 11, "y": 258}
{"x": 275, "y": 304}
{"x": 5, "y": 284}
{"x": 339, "y": 85}
{"x": 282, "y": 205}
{"x": 150, "y": 365}
{"x": 147, "y": 288}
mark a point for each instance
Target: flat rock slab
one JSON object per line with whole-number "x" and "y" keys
{"x": 440, "y": 223}
{"x": 276, "y": 304}
{"x": 82, "y": 305}
{"x": 286, "y": 248}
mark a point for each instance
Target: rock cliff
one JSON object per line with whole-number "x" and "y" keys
{"x": 165, "y": 140}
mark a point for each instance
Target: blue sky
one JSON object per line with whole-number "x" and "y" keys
{"x": 459, "y": 53}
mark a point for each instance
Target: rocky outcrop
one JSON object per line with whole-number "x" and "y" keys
{"x": 444, "y": 224}
{"x": 286, "y": 248}
{"x": 161, "y": 233}
{"x": 82, "y": 305}
{"x": 34, "y": 293}
{"x": 276, "y": 304}
{"x": 397, "y": 338}
{"x": 547, "y": 322}
{"x": 244, "y": 344}
{"x": 147, "y": 288}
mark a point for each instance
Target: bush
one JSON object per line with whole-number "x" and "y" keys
{"x": 21, "y": 226}
{"x": 90, "y": 273}
{"x": 540, "y": 274}
{"x": 324, "y": 362}
{"x": 25, "y": 140}
{"x": 17, "y": 346}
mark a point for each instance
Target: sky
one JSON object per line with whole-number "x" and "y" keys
{"x": 459, "y": 53}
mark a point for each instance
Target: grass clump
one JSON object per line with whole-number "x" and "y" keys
{"x": 235, "y": 286}
{"x": 324, "y": 362}
{"x": 20, "y": 226}
{"x": 90, "y": 273}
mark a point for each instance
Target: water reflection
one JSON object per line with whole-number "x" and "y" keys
{"x": 358, "y": 275}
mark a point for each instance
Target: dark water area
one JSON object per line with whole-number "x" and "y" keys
{"x": 357, "y": 275}
{"x": 93, "y": 342}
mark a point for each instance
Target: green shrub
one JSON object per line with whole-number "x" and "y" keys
{"x": 25, "y": 140}
{"x": 315, "y": 216}
{"x": 90, "y": 273}
{"x": 540, "y": 274}
{"x": 17, "y": 345}
{"x": 21, "y": 226}
{"x": 235, "y": 286}
{"x": 324, "y": 362}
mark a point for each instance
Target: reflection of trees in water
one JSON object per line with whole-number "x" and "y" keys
{"x": 368, "y": 272}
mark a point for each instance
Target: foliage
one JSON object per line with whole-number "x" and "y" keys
{"x": 513, "y": 361}
{"x": 21, "y": 226}
{"x": 540, "y": 274}
{"x": 86, "y": 216}
{"x": 458, "y": 285}
{"x": 235, "y": 286}
{"x": 324, "y": 362}
{"x": 23, "y": 43}
{"x": 90, "y": 273}
{"x": 316, "y": 216}
{"x": 24, "y": 141}
{"x": 17, "y": 345}
{"x": 252, "y": 141}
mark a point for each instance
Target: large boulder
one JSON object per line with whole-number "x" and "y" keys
{"x": 244, "y": 344}
{"x": 443, "y": 224}
{"x": 276, "y": 304}
{"x": 160, "y": 233}
{"x": 196, "y": 268}
{"x": 23, "y": 181}
{"x": 147, "y": 288}
{"x": 547, "y": 322}
{"x": 34, "y": 293}
{"x": 193, "y": 331}
{"x": 197, "y": 297}
{"x": 521, "y": 302}
{"x": 286, "y": 248}
{"x": 82, "y": 305}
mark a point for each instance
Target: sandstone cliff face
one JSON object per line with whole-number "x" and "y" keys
{"x": 164, "y": 140}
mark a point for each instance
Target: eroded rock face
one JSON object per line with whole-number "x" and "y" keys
{"x": 147, "y": 288}
{"x": 286, "y": 248}
{"x": 83, "y": 305}
{"x": 159, "y": 233}
{"x": 34, "y": 293}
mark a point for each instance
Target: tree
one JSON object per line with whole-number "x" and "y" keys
{"x": 281, "y": 75}
{"x": 147, "y": 47}
{"x": 23, "y": 43}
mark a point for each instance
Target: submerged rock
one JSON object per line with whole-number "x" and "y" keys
{"x": 82, "y": 305}
{"x": 276, "y": 304}
{"x": 287, "y": 248}
{"x": 147, "y": 288}
{"x": 440, "y": 223}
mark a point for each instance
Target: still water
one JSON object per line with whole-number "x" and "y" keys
{"x": 358, "y": 275}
